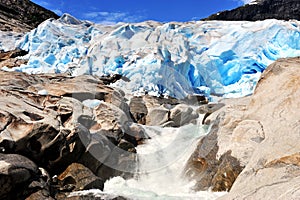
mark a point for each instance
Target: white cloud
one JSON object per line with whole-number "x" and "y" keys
{"x": 112, "y": 17}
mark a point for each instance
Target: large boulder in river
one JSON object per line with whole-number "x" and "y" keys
{"x": 138, "y": 109}
{"x": 75, "y": 178}
{"x": 165, "y": 112}
{"x": 182, "y": 114}
{"x": 258, "y": 137}
{"x": 158, "y": 116}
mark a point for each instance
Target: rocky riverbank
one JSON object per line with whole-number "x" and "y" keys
{"x": 60, "y": 134}
{"x": 252, "y": 148}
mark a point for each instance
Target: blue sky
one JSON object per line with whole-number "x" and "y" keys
{"x": 113, "y": 11}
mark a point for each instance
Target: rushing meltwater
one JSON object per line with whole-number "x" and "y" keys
{"x": 161, "y": 161}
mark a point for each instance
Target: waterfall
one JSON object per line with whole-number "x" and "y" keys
{"x": 161, "y": 161}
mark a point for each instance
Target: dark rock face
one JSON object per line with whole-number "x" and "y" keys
{"x": 12, "y": 54}
{"x": 267, "y": 9}
{"x": 22, "y": 15}
{"x": 10, "y": 59}
{"x": 138, "y": 110}
{"x": 19, "y": 177}
{"x": 77, "y": 177}
{"x": 207, "y": 169}
{"x": 95, "y": 197}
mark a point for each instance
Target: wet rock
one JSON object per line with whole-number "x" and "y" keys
{"x": 167, "y": 112}
{"x": 153, "y": 102}
{"x": 182, "y": 114}
{"x": 114, "y": 160}
{"x": 39, "y": 195}
{"x": 113, "y": 136}
{"x": 157, "y": 116}
{"x": 158, "y": 109}
{"x": 135, "y": 133}
{"x": 169, "y": 124}
{"x": 207, "y": 169}
{"x": 98, "y": 149}
{"x": 78, "y": 177}
{"x": 110, "y": 121}
{"x": 107, "y": 159}
{"x": 138, "y": 110}
{"x": 117, "y": 98}
{"x": 167, "y": 115}
{"x": 228, "y": 170}
{"x": 16, "y": 175}
{"x": 127, "y": 146}
{"x": 91, "y": 196}
{"x": 122, "y": 160}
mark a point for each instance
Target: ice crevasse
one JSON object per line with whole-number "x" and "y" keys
{"x": 222, "y": 58}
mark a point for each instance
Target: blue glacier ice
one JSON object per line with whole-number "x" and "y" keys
{"x": 222, "y": 58}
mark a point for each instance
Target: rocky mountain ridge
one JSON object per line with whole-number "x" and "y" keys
{"x": 267, "y": 9}
{"x": 22, "y": 15}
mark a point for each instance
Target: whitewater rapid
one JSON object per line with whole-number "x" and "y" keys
{"x": 161, "y": 162}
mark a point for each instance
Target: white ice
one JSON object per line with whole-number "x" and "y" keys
{"x": 225, "y": 58}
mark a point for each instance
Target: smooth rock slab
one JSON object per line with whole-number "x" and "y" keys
{"x": 261, "y": 132}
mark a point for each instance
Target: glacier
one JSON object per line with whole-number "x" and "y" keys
{"x": 215, "y": 58}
